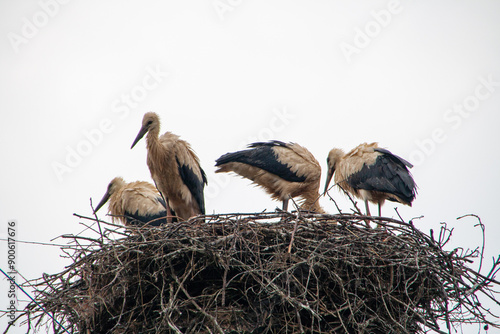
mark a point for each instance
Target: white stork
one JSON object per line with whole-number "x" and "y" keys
{"x": 372, "y": 174}
{"x": 283, "y": 170}
{"x": 175, "y": 168}
{"x": 134, "y": 203}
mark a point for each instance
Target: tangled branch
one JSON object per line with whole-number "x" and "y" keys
{"x": 234, "y": 273}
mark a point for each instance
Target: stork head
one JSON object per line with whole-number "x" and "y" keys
{"x": 332, "y": 160}
{"x": 150, "y": 121}
{"x": 113, "y": 187}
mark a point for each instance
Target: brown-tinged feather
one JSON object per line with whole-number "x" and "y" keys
{"x": 372, "y": 174}
{"x": 168, "y": 157}
{"x": 282, "y": 170}
{"x": 134, "y": 201}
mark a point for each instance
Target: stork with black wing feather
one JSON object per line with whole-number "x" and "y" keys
{"x": 175, "y": 168}
{"x": 284, "y": 170}
{"x": 372, "y": 174}
{"x": 134, "y": 203}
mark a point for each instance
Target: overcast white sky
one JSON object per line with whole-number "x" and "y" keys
{"x": 420, "y": 77}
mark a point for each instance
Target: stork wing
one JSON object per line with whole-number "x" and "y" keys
{"x": 151, "y": 220}
{"x": 388, "y": 174}
{"x": 270, "y": 143}
{"x": 157, "y": 218}
{"x": 162, "y": 202}
{"x": 388, "y": 153}
{"x": 193, "y": 181}
{"x": 263, "y": 156}
{"x": 143, "y": 203}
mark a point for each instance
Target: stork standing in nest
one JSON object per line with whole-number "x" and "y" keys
{"x": 175, "y": 168}
{"x": 283, "y": 170}
{"x": 372, "y": 174}
{"x": 134, "y": 203}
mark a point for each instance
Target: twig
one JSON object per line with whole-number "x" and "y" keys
{"x": 97, "y": 221}
{"x": 480, "y": 224}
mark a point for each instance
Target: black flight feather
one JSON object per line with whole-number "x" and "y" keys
{"x": 137, "y": 220}
{"x": 194, "y": 184}
{"x": 262, "y": 155}
{"x": 389, "y": 174}
{"x": 161, "y": 201}
{"x": 393, "y": 156}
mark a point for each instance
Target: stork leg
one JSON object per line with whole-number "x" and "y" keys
{"x": 285, "y": 208}
{"x": 367, "y": 213}
{"x": 285, "y": 205}
{"x": 169, "y": 213}
{"x": 379, "y": 213}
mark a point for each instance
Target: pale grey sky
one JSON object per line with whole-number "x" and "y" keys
{"x": 420, "y": 77}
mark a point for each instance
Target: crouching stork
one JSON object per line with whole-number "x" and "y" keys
{"x": 134, "y": 203}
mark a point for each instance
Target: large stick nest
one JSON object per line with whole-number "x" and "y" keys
{"x": 235, "y": 274}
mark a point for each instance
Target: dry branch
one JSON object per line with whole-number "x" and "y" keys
{"x": 235, "y": 274}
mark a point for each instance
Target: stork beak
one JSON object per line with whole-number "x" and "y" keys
{"x": 102, "y": 202}
{"x": 328, "y": 178}
{"x": 141, "y": 134}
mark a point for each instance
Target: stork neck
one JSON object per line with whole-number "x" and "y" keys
{"x": 152, "y": 139}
